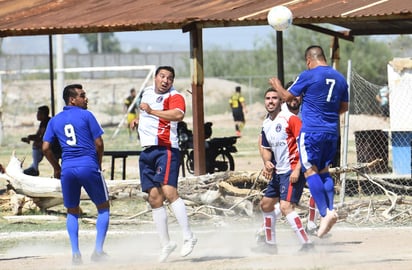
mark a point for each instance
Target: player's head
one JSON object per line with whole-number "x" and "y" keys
{"x": 238, "y": 89}
{"x": 294, "y": 104}
{"x": 314, "y": 55}
{"x": 164, "y": 77}
{"x": 74, "y": 95}
{"x": 168, "y": 68}
{"x": 272, "y": 100}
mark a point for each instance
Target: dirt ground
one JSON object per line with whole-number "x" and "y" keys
{"x": 222, "y": 244}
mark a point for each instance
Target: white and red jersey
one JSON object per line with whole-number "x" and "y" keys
{"x": 280, "y": 135}
{"x": 154, "y": 130}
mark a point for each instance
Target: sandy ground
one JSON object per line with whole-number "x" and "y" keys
{"x": 221, "y": 245}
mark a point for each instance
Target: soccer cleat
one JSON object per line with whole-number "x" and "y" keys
{"x": 99, "y": 256}
{"x": 311, "y": 228}
{"x": 260, "y": 237}
{"x": 77, "y": 259}
{"x": 266, "y": 248}
{"x": 167, "y": 250}
{"x": 327, "y": 222}
{"x": 31, "y": 171}
{"x": 307, "y": 247}
{"x": 188, "y": 246}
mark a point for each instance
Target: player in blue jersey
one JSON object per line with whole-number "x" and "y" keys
{"x": 80, "y": 137}
{"x": 325, "y": 97}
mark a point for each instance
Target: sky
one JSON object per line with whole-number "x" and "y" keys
{"x": 235, "y": 38}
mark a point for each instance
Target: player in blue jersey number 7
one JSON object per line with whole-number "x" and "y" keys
{"x": 80, "y": 137}
{"x": 325, "y": 97}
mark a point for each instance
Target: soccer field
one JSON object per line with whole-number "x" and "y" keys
{"x": 221, "y": 245}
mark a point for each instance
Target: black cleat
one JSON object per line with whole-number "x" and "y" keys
{"x": 31, "y": 171}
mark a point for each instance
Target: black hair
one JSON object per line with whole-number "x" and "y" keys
{"x": 270, "y": 89}
{"x": 168, "y": 68}
{"x": 315, "y": 52}
{"x": 70, "y": 91}
{"x": 237, "y": 89}
{"x": 44, "y": 109}
{"x": 288, "y": 84}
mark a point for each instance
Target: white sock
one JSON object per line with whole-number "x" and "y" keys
{"x": 278, "y": 213}
{"x": 269, "y": 222}
{"x": 160, "y": 220}
{"x": 179, "y": 209}
{"x": 296, "y": 224}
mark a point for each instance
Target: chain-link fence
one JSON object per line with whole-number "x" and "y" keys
{"x": 376, "y": 180}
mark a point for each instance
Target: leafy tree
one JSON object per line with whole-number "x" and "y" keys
{"x": 134, "y": 50}
{"x": 73, "y": 51}
{"x": 401, "y": 46}
{"x": 369, "y": 58}
{"x": 110, "y": 44}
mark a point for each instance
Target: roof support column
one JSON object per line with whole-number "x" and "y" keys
{"x": 197, "y": 74}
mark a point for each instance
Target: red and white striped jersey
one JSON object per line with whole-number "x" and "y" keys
{"x": 154, "y": 130}
{"x": 280, "y": 135}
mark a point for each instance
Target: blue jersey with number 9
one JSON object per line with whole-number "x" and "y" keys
{"x": 76, "y": 129}
{"x": 323, "y": 89}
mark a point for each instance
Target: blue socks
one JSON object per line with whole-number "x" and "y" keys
{"x": 102, "y": 225}
{"x": 329, "y": 185}
{"x": 322, "y": 189}
{"x": 72, "y": 226}
{"x": 317, "y": 190}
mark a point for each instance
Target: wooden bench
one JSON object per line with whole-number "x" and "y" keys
{"x": 123, "y": 155}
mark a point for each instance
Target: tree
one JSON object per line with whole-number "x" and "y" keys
{"x": 401, "y": 46}
{"x": 109, "y": 43}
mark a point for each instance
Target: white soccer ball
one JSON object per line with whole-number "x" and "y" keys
{"x": 280, "y": 18}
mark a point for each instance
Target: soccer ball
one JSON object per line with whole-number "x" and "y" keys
{"x": 280, "y": 18}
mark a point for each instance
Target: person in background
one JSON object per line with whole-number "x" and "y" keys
{"x": 37, "y": 139}
{"x": 279, "y": 152}
{"x": 325, "y": 97}
{"x": 132, "y": 114}
{"x": 161, "y": 108}
{"x": 238, "y": 106}
{"x": 80, "y": 137}
{"x": 383, "y": 98}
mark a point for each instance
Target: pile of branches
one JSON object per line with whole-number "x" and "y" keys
{"x": 209, "y": 196}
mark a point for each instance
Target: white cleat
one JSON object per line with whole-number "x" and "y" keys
{"x": 188, "y": 246}
{"x": 167, "y": 250}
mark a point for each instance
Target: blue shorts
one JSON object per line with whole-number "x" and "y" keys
{"x": 280, "y": 187}
{"x": 159, "y": 165}
{"x": 316, "y": 148}
{"x": 91, "y": 179}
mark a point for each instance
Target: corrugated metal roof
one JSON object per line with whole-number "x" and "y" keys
{"x": 39, "y": 17}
